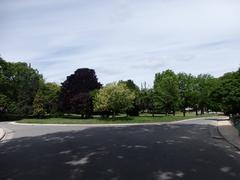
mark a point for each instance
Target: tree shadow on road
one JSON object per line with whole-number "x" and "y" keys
{"x": 139, "y": 152}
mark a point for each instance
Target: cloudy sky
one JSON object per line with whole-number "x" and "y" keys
{"x": 122, "y": 39}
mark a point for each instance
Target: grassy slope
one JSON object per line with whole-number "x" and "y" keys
{"x": 141, "y": 119}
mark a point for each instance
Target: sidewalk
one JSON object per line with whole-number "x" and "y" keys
{"x": 229, "y": 132}
{"x": 2, "y": 133}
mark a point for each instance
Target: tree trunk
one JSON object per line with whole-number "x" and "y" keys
{"x": 196, "y": 112}
{"x": 184, "y": 112}
{"x": 114, "y": 115}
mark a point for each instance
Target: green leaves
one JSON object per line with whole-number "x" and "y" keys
{"x": 166, "y": 91}
{"x": 114, "y": 98}
{"x": 227, "y": 93}
{"x": 75, "y": 96}
{"x": 24, "y": 91}
{"x": 19, "y": 83}
{"x": 50, "y": 92}
{"x": 38, "y": 105}
{"x": 7, "y": 105}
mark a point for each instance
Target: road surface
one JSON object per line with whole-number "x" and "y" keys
{"x": 189, "y": 150}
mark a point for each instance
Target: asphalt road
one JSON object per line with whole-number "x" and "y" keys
{"x": 157, "y": 152}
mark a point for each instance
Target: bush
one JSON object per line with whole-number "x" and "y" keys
{"x": 38, "y": 106}
{"x": 10, "y": 117}
{"x": 114, "y": 98}
{"x": 236, "y": 121}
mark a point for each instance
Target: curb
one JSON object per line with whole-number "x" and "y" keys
{"x": 2, "y": 134}
{"x": 123, "y": 124}
{"x": 230, "y": 134}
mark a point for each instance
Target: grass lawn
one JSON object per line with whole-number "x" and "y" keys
{"x": 143, "y": 118}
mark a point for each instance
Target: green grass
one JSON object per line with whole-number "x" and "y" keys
{"x": 143, "y": 118}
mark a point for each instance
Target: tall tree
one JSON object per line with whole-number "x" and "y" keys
{"x": 227, "y": 93}
{"x": 130, "y": 85}
{"x": 7, "y": 105}
{"x": 186, "y": 91}
{"x": 50, "y": 93}
{"x": 114, "y": 98}
{"x": 205, "y": 84}
{"x": 146, "y": 101}
{"x": 134, "y": 111}
{"x": 166, "y": 91}
{"x": 38, "y": 105}
{"x": 20, "y": 83}
{"x": 75, "y": 92}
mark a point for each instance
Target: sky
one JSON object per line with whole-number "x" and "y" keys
{"x": 122, "y": 39}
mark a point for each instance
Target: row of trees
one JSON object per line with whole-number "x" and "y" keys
{"x": 173, "y": 92}
{"x": 24, "y": 92}
{"x": 181, "y": 91}
{"x": 19, "y": 84}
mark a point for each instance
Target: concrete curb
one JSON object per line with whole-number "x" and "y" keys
{"x": 123, "y": 124}
{"x": 229, "y": 133}
{"x": 2, "y": 134}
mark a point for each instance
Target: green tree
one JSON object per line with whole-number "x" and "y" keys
{"x": 6, "y": 105}
{"x": 204, "y": 85}
{"x": 114, "y": 98}
{"x": 166, "y": 91}
{"x": 186, "y": 91}
{"x": 146, "y": 101}
{"x": 50, "y": 93}
{"x": 38, "y": 105}
{"x": 134, "y": 111}
{"x": 20, "y": 83}
{"x": 130, "y": 85}
{"x": 75, "y": 95}
{"x": 227, "y": 93}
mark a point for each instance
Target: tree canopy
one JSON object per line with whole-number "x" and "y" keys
{"x": 134, "y": 110}
{"x": 227, "y": 93}
{"x": 186, "y": 91}
{"x": 75, "y": 92}
{"x": 166, "y": 91}
{"x": 19, "y": 83}
{"x": 114, "y": 98}
{"x": 23, "y": 91}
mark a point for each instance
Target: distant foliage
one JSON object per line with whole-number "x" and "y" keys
{"x": 194, "y": 92}
{"x": 205, "y": 84}
{"x": 227, "y": 93}
{"x": 134, "y": 110}
{"x": 50, "y": 93}
{"x": 38, "y": 106}
{"x": 145, "y": 100}
{"x": 166, "y": 91}
{"x": 19, "y": 83}
{"x": 186, "y": 85}
{"x": 6, "y": 105}
{"x": 114, "y": 98}
{"x": 24, "y": 92}
{"x": 75, "y": 94}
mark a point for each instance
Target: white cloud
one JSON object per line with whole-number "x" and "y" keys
{"x": 122, "y": 39}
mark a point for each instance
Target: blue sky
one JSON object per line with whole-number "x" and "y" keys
{"x": 122, "y": 39}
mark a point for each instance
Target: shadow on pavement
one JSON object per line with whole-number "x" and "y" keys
{"x": 163, "y": 152}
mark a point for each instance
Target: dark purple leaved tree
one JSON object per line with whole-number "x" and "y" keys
{"x": 75, "y": 96}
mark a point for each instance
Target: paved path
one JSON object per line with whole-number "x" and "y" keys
{"x": 229, "y": 132}
{"x": 187, "y": 150}
{"x": 2, "y": 133}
